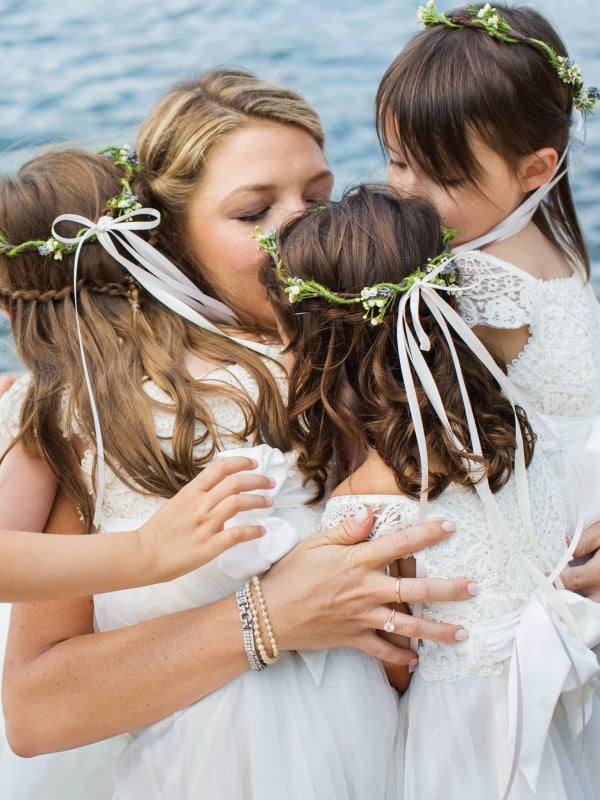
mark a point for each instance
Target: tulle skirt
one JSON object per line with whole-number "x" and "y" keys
{"x": 453, "y": 743}
{"x": 281, "y": 734}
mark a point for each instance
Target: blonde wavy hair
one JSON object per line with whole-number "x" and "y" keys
{"x": 128, "y": 336}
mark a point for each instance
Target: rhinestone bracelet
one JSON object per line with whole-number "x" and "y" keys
{"x": 247, "y": 618}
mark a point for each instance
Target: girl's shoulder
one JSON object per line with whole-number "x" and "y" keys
{"x": 499, "y": 294}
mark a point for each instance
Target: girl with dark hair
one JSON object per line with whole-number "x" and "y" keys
{"x": 479, "y": 113}
{"x": 382, "y": 358}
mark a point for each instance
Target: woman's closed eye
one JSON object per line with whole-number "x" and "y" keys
{"x": 254, "y": 216}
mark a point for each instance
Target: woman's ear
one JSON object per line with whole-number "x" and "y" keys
{"x": 537, "y": 168}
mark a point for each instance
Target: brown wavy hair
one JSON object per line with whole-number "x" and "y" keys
{"x": 346, "y": 384}
{"x": 127, "y": 335}
{"x": 447, "y": 84}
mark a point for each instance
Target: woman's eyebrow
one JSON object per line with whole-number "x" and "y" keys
{"x": 261, "y": 187}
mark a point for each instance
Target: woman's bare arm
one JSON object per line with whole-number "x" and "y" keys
{"x": 65, "y": 685}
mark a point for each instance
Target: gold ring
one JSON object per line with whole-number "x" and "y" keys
{"x": 389, "y": 625}
{"x": 398, "y": 598}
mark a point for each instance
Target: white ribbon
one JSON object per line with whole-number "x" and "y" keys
{"x": 552, "y": 602}
{"x": 547, "y": 663}
{"x": 159, "y": 277}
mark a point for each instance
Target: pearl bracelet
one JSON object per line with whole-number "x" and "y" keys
{"x": 256, "y": 585}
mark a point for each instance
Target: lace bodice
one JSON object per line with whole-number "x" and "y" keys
{"x": 559, "y": 368}
{"x": 504, "y": 581}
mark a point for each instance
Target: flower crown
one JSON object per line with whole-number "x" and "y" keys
{"x": 122, "y": 203}
{"x": 377, "y": 299}
{"x": 488, "y": 18}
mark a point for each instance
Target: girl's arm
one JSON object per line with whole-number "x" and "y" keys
{"x": 185, "y": 532}
{"x": 27, "y": 491}
{"x": 65, "y": 686}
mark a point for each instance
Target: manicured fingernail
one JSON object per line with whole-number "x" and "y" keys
{"x": 263, "y": 530}
{"x": 448, "y": 526}
{"x": 412, "y": 665}
{"x": 254, "y": 462}
{"x": 461, "y": 635}
{"x": 361, "y": 515}
{"x": 472, "y": 588}
{"x": 272, "y": 482}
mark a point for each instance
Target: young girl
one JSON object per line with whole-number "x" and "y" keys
{"x": 382, "y": 359}
{"x": 479, "y": 114}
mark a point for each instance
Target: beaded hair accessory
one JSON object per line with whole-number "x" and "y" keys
{"x": 497, "y": 27}
{"x": 376, "y": 300}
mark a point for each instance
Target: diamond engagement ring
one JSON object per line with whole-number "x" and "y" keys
{"x": 390, "y": 623}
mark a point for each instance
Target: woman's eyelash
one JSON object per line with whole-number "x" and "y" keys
{"x": 393, "y": 162}
{"x": 253, "y": 217}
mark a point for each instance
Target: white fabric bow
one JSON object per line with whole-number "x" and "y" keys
{"x": 548, "y": 664}
{"x": 159, "y": 277}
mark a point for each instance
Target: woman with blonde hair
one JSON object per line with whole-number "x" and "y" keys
{"x": 182, "y": 362}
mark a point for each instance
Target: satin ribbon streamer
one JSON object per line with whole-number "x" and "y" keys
{"x": 563, "y": 640}
{"x": 159, "y": 277}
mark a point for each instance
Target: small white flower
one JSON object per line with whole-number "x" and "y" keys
{"x": 58, "y": 256}
{"x": 483, "y": 11}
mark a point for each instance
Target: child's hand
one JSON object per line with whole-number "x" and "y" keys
{"x": 187, "y": 531}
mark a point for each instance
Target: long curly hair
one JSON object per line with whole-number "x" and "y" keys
{"x": 128, "y": 336}
{"x": 346, "y": 384}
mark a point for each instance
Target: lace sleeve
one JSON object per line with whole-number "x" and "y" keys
{"x": 391, "y": 514}
{"x": 10, "y": 408}
{"x": 494, "y": 293}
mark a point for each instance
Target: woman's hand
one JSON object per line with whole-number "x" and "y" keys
{"x": 188, "y": 530}
{"x": 585, "y": 578}
{"x": 325, "y": 593}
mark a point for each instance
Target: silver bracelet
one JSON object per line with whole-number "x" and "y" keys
{"x": 247, "y": 618}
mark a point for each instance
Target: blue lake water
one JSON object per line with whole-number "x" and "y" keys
{"x": 90, "y": 71}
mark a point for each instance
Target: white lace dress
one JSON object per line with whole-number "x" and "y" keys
{"x": 456, "y": 738}
{"x": 559, "y": 367}
{"x": 301, "y": 729}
